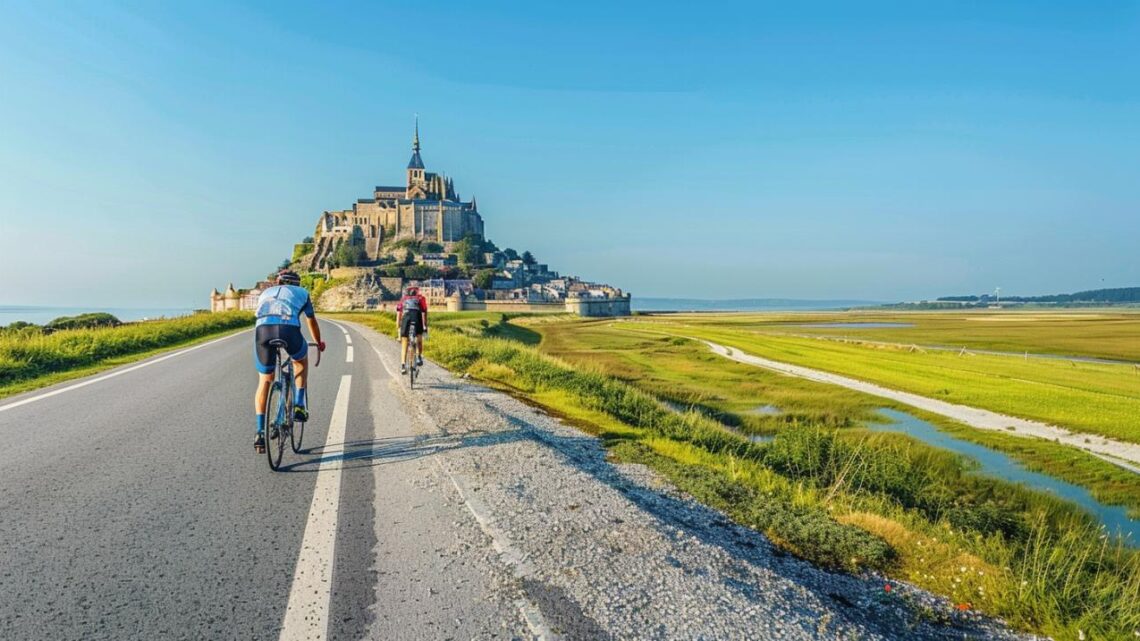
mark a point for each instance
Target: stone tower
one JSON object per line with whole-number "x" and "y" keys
{"x": 416, "y": 164}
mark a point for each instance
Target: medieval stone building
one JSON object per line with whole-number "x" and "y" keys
{"x": 427, "y": 207}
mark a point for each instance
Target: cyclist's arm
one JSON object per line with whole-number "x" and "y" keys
{"x": 314, "y": 329}
{"x": 311, "y": 321}
{"x": 424, "y": 306}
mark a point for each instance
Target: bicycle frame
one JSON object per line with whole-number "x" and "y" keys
{"x": 284, "y": 379}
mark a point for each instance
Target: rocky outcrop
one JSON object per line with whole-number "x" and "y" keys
{"x": 362, "y": 293}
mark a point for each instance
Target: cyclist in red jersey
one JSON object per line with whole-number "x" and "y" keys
{"x": 412, "y": 309}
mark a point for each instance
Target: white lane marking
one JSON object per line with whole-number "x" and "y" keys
{"x": 307, "y": 614}
{"x": 347, "y": 338}
{"x": 120, "y": 372}
{"x": 348, "y": 355}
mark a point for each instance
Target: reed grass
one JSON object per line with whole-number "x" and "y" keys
{"x": 29, "y": 356}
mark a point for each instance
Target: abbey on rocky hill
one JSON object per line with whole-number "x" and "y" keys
{"x": 426, "y": 208}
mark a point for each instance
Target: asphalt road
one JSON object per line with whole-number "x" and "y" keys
{"x": 134, "y": 507}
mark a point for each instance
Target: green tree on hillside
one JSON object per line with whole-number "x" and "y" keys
{"x": 469, "y": 250}
{"x": 420, "y": 272}
{"x": 348, "y": 254}
{"x": 484, "y": 278}
{"x": 511, "y": 254}
{"x": 528, "y": 258}
{"x": 300, "y": 250}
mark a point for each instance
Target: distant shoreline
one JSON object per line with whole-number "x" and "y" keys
{"x": 651, "y": 304}
{"x": 41, "y": 314}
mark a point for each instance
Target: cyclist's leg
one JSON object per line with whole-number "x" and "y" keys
{"x": 420, "y": 342}
{"x": 260, "y": 397}
{"x": 300, "y": 371}
{"x": 264, "y": 361}
{"x": 405, "y": 323}
{"x": 299, "y": 352}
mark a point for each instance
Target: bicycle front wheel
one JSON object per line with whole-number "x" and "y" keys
{"x": 297, "y": 434}
{"x": 274, "y": 420}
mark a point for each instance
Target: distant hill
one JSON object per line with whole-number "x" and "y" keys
{"x": 1117, "y": 295}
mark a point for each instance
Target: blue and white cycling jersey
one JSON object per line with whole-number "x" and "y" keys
{"x": 283, "y": 305}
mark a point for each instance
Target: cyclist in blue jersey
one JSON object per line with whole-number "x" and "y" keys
{"x": 279, "y": 311}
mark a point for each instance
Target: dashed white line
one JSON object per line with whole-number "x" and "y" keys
{"x": 113, "y": 374}
{"x": 348, "y": 355}
{"x": 307, "y": 614}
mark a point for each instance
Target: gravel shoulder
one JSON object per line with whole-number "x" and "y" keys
{"x": 587, "y": 549}
{"x": 1119, "y": 453}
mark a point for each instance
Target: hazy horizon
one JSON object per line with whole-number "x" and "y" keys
{"x": 885, "y": 151}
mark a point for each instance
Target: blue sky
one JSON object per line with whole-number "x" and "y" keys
{"x": 887, "y": 151}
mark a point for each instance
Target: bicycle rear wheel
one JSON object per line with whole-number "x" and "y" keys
{"x": 413, "y": 370}
{"x": 274, "y": 443}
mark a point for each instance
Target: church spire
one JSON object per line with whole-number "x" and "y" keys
{"x": 416, "y": 162}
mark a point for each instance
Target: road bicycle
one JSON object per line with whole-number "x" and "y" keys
{"x": 279, "y": 421}
{"x": 410, "y": 357}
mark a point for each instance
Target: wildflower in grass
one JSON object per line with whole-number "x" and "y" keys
{"x": 887, "y": 588}
{"x": 963, "y": 606}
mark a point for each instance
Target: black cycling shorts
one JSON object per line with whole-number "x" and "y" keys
{"x": 265, "y": 355}
{"x": 406, "y": 324}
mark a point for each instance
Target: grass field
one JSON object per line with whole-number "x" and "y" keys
{"x": 689, "y": 375}
{"x": 838, "y": 496}
{"x": 1107, "y": 334}
{"x": 31, "y": 359}
{"x": 1095, "y": 398}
